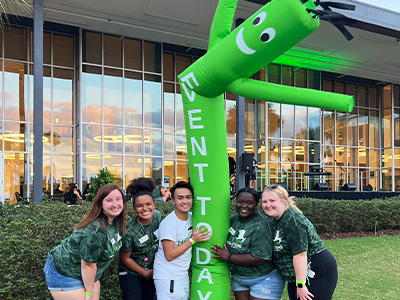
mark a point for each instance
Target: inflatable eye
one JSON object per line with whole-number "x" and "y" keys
{"x": 259, "y": 18}
{"x": 268, "y": 35}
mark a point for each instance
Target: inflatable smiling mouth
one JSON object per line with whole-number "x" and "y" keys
{"x": 242, "y": 44}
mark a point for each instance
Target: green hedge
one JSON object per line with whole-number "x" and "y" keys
{"x": 29, "y": 232}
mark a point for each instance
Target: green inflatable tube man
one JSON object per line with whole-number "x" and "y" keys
{"x": 232, "y": 57}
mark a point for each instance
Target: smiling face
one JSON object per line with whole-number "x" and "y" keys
{"x": 144, "y": 208}
{"x": 246, "y": 205}
{"x": 183, "y": 200}
{"x": 112, "y": 205}
{"x": 272, "y": 204}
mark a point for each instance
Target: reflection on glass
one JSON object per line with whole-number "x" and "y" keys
{"x": 261, "y": 119}
{"x": 134, "y": 141}
{"x": 287, "y": 75}
{"x": 49, "y": 181}
{"x": 169, "y": 172}
{"x": 314, "y": 152}
{"x": 47, "y": 139}
{"x": 91, "y": 165}
{"x": 63, "y": 139}
{"x": 182, "y": 171}
{"x": 152, "y": 57}
{"x": 182, "y": 62}
{"x": 342, "y": 155}
{"x": 152, "y": 101}
{"x": 112, "y": 139}
{"x": 133, "y": 99}
{"x": 314, "y": 123}
{"x": 363, "y": 155}
{"x": 287, "y": 121}
{"x": 230, "y": 115}
{"x": 352, "y": 129}
{"x": 274, "y": 148}
{"x": 250, "y": 114}
{"x": 274, "y": 73}
{"x": 1, "y": 89}
{"x": 314, "y": 79}
{"x": 363, "y": 139}
{"x": 168, "y": 66}
{"x": 181, "y": 149}
{"x": 353, "y": 157}
{"x": 15, "y": 85}
{"x": 387, "y": 128}
{"x": 15, "y": 43}
{"x": 112, "y": 96}
{"x": 46, "y": 95}
{"x": 91, "y": 138}
{"x": 327, "y": 86}
{"x": 301, "y": 152}
{"x": 133, "y": 168}
{"x": 273, "y": 174}
{"x": 287, "y": 151}
{"x": 374, "y": 128}
{"x": 91, "y": 47}
{"x": 374, "y": 158}
{"x": 132, "y": 54}
{"x": 63, "y": 91}
{"x": 362, "y": 96}
{"x": 14, "y": 176}
{"x": 114, "y": 164}
{"x": 169, "y": 146}
{"x": 300, "y": 78}
{"x": 155, "y": 145}
{"x": 301, "y": 122}
{"x": 63, "y": 170}
{"x": 180, "y": 116}
{"x": 112, "y": 50}
{"x": 341, "y": 128}
{"x": 274, "y": 120}
{"x": 63, "y": 50}
{"x": 232, "y": 147}
{"x": 169, "y": 108}
{"x": 46, "y": 47}
{"x": 373, "y": 97}
{"x": 153, "y": 167}
{"x": 91, "y": 94}
{"x": 14, "y": 136}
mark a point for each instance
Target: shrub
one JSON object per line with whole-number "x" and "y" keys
{"x": 104, "y": 177}
{"x": 29, "y": 232}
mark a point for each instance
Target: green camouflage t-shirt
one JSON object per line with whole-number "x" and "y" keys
{"x": 142, "y": 241}
{"x": 254, "y": 237}
{"x": 294, "y": 234}
{"x": 93, "y": 244}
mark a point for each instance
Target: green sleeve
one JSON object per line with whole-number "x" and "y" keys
{"x": 297, "y": 237}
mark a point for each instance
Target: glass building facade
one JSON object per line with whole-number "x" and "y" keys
{"x": 114, "y": 101}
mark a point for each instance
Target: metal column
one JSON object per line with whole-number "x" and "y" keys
{"x": 240, "y": 135}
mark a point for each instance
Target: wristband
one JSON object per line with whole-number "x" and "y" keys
{"x": 88, "y": 294}
{"x": 300, "y": 283}
{"x": 191, "y": 240}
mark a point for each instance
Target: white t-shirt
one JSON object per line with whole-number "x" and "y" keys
{"x": 173, "y": 229}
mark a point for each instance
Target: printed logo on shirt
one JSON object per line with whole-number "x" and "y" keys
{"x": 277, "y": 242}
{"x": 236, "y": 241}
{"x": 115, "y": 245}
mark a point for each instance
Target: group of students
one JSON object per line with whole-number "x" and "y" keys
{"x": 155, "y": 254}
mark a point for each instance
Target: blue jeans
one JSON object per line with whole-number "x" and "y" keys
{"x": 58, "y": 282}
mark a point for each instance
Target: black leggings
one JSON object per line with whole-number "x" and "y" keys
{"x": 324, "y": 282}
{"x": 137, "y": 288}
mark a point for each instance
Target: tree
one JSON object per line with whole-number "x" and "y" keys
{"x": 13, "y": 7}
{"x": 104, "y": 177}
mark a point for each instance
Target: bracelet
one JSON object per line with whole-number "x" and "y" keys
{"x": 300, "y": 283}
{"x": 229, "y": 259}
{"x": 88, "y": 294}
{"x": 191, "y": 240}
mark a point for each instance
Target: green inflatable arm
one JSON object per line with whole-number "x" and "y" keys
{"x": 232, "y": 57}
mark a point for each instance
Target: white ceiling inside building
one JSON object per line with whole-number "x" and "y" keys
{"x": 187, "y": 23}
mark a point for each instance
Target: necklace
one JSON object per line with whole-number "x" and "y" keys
{"x": 148, "y": 235}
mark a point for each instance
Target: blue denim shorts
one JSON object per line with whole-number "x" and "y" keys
{"x": 269, "y": 286}
{"x": 58, "y": 282}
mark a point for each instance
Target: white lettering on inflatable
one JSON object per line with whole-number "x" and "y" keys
{"x": 205, "y": 274}
{"x": 192, "y": 119}
{"x": 203, "y": 204}
{"x": 208, "y": 256}
{"x": 186, "y": 80}
{"x": 202, "y": 149}
{"x": 200, "y": 166}
{"x": 205, "y": 225}
{"x": 201, "y": 296}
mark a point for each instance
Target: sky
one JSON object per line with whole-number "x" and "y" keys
{"x": 389, "y": 4}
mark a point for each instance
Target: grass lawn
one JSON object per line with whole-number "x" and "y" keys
{"x": 369, "y": 268}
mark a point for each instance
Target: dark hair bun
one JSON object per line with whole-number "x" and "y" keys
{"x": 140, "y": 184}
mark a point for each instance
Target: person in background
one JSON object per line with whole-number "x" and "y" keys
{"x": 174, "y": 253}
{"x": 74, "y": 267}
{"x": 249, "y": 251}
{"x": 73, "y": 196}
{"x": 160, "y": 193}
{"x": 299, "y": 253}
{"x": 140, "y": 244}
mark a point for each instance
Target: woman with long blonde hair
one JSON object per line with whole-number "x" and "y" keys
{"x": 299, "y": 253}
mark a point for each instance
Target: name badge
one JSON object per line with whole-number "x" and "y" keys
{"x": 144, "y": 239}
{"x": 232, "y": 231}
